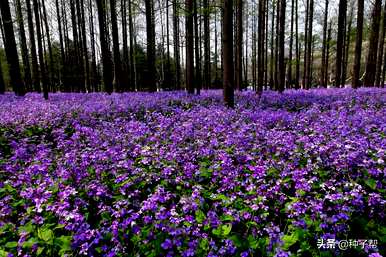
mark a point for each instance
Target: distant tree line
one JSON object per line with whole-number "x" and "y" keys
{"x": 93, "y": 45}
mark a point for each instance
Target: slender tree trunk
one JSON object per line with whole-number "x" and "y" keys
{"x": 227, "y": 46}
{"x": 277, "y": 39}
{"x": 40, "y": 50}
{"x": 51, "y": 58}
{"x": 324, "y": 46}
{"x": 34, "y": 60}
{"x": 305, "y": 52}
{"x": 260, "y": 46}
{"x": 373, "y": 45}
{"x": 120, "y": 84}
{"x": 62, "y": 58}
{"x": 197, "y": 78}
{"x": 297, "y": 48}
{"x": 272, "y": 79}
{"x": 239, "y": 44}
{"x": 358, "y": 45}
{"x": 340, "y": 42}
{"x": 291, "y": 45}
{"x": 150, "y": 38}
{"x": 2, "y": 84}
{"x": 189, "y": 47}
{"x": 94, "y": 73}
{"x": 325, "y": 75}
{"x": 176, "y": 37}
{"x": 254, "y": 50}
{"x": 133, "y": 84}
{"x": 207, "y": 78}
{"x": 125, "y": 45}
{"x": 281, "y": 46}
{"x": 215, "y": 48}
{"x": 266, "y": 44}
{"x": 24, "y": 49}
{"x": 106, "y": 55}
{"x": 378, "y": 73}
{"x": 310, "y": 41}
{"x": 347, "y": 47}
{"x": 85, "y": 51}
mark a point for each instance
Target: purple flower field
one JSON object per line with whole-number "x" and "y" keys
{"x": 167, "y": 174}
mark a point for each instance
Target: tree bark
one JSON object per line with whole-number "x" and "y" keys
{"x": 378, "y": 73}
{"x": 260, "y": 46}
{"x": 358, "y": 45}
{"x": 117, "y": 57}
{"x": 281, "y": 46}
{"x": 197, "y": 49}
{"x": 10, "y": 49}
{"x": 24, "y": 48}
{"x": 176, "y": 37}
{"x": 227, "y": 46}
{"x": 289, "y": 76}
{"x": 324, "y": 46}
{"x": 150, "y": 38}
{"x": 371, "y": 64}
{"x": 106, "y": 55}
{"x": 239, "y": 45}
{"x": 189, "y": 47}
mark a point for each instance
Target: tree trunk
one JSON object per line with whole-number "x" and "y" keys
{"x": 94, "y": 73}
{"x": 327, "y": 54}
{"x": 10, "y": 49}
{"x": 24, "y": 49}
{"x": 260, "y": 46}
{"x": 310, "y": 40}
{"x": 305, "y": 51}
{"x": 340, "y": 42}
{"x": 106, "y": 55}
{"x": 51, "y": 58}
{"x": 125, "y": 45}
{"x": 40, "y": 49}
{"x": 347, "y": 47}
{"x": 239, "y": 44}
{"x": 297, "y": 48}
{"x": 281, "y": 46}
{"x": 133, "y": 80}
{"x": 291, "y": 46}
{"x": 34, "y": 60}
{"x": 323, "y": 83}
{"x": 358, "y": 45}
{"x": 373, "y": 45}
{"x": 189, "y": 47}
{"x": 117, "y": 58}
{"x": 272, "y": 79}
{"x": 197, "y": 78}
{"x": 150, "y": 38}
{"x": 207, "y": 78}
{"x": 378, "y": 73}
{"x": 176, "y": 37}
{"x": 227, "y": 46}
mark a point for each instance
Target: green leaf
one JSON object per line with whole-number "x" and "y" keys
{"x": 289, "y": 240}
{"x": 12, "y": 244}
{"x": 227, "y": 218}
{"x": 40, "y": 250}
{"x": 30, "y": 242}
{"x": 371, "y": 183}
{"x": 226, "y": 229}
{"x": 64, "y": 242}
{"x": 200, "y": 216}
{"x": 3, "y": 253}
{"x": 253, "y": 243}
{"x": 45, "y": 234}
{"x": 204, "y": 244}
